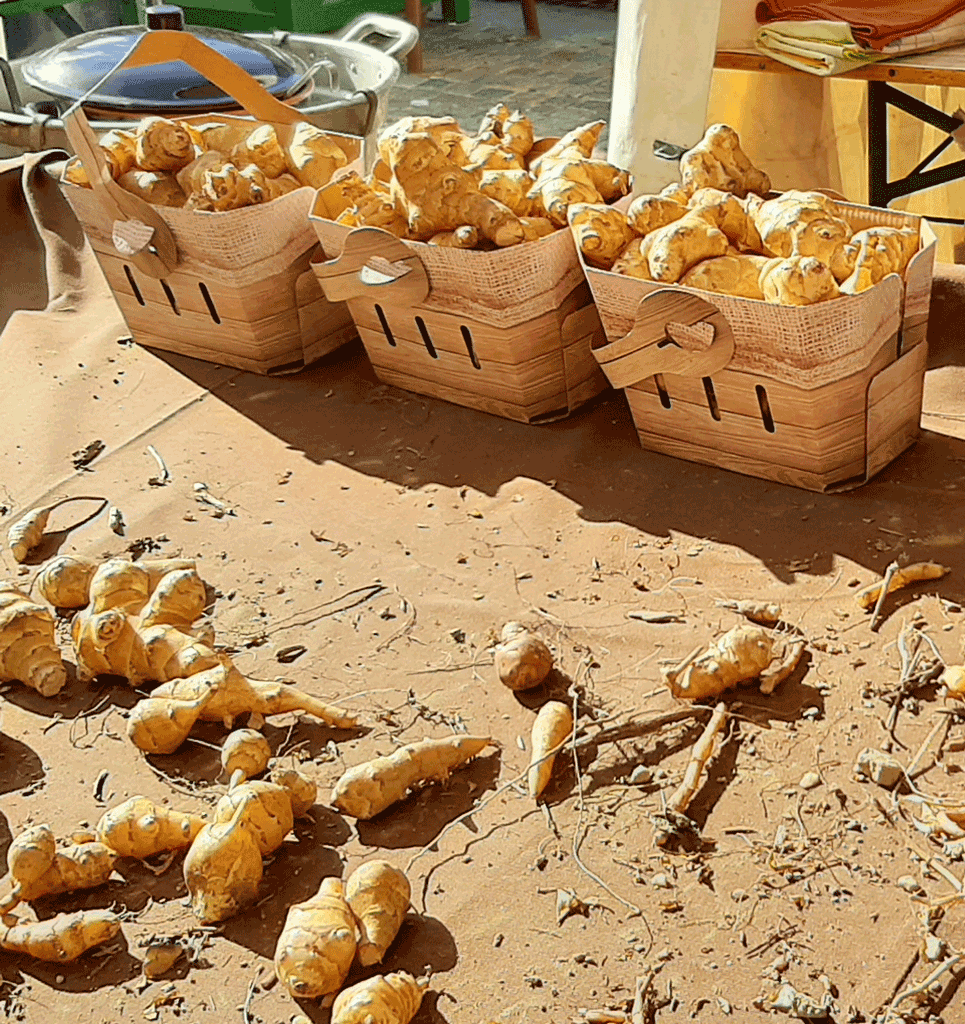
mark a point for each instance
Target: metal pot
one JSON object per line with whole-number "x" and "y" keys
{"x": 337, "y": 82}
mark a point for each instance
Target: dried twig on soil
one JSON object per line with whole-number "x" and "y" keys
{"x": 923, "y": 986}
{"x": 164, "y": 475}
{"x": 668, "y": 823}
{"x": 895, "y": 578}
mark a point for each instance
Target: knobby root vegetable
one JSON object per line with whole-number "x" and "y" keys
{"x": 178, "y": 600}
{"x": 437, "y": 195}
{"x": 224, "y": 866}
{"x": 601, "y": 233}
{"x": 263, "y": 149}
{"x": 28, "y": 646}
{"x": 728, "y": 275}
{"x": 510, "y": 188}
{"x": 244, "y": 754}
{"x": 782, "y": 668}
{"x": 65, "y": 581}
{"x": 269, "y": 807}
{"x": 28, "y": 531}
{"x": 677, "y": 247}
{"x": 379, "y": 895}
{"x": 680, "y": 799}
{"x": 522, "y": 660}
{"x": 797, "y": 281}
{"x": 140, "y": 828}
{"x": 235, "y": 696}
{"x": 162, "y": 145}
{"x": 742, "y": 654}
{"x": 300, "y": 788}
{"x": 37, "y": 868}
{"x": 385, "y": 999}
{"x": 574, "y": 146}
{"x": 553, "y": 724}
{"x": 62, "y": 938}
{"x": 317, "y": 945}
{"x": 917, "y": 572}
{"x": 730, "y": 215}
{"x": 369, "y": 788}
{"x": 116, "y": 583}
{"x": 953, "y": 679}
{"x": 647, "y": 213}
{"x": 718, "y": 161}
{"x": 223, "y": 869}
{"x": 761, "y": 612}
{"x": 159, "y": 725}
{"x": 634, "y": 260}
{"x": 154, "y": 187}
{"x": 312, "y": 157}
{"x": 466, "y": 237}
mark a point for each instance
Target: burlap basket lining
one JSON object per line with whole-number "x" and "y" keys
{"x": 802, "y": 345}
{"x": 236, "y": 246}
{"x": 505, "y": 287}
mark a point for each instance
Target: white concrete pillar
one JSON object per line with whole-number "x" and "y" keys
{"x": 661, "y": 82}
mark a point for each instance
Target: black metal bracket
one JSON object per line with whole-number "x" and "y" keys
{"x": 882, "y": 191}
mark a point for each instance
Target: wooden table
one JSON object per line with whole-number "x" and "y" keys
{"x": 943, "y": 67}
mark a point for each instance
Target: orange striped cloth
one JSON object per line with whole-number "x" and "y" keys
{"x": 874, "y": 23}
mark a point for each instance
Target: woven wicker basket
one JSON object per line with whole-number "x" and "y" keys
{"x": 822, "y": 396}
{"x": 508, "y": 332}
{"x": 233, "y": 288}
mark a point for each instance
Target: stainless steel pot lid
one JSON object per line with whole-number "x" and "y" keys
{"x": 72, "y": 68}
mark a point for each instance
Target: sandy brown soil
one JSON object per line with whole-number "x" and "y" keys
{"x": 391, "y": 535}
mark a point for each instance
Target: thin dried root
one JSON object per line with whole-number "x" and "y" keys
{"x": 700, "y": 755}
{"x": 918, "y": 572}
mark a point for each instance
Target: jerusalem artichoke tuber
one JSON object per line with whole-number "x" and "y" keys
{"x": 312, "y": 158}
{"x": 511, "y": 188}
{"x": 741, "y": 655}
{"x": 718, "y": 161}
{"x": 385, "y": 999}
{"x": 244, "y": 751}
{"x": 677, "y": 247}
{"x": 553, "y": 724}
{"x": 601, "y": 233}
{"x": 917, "y": 572}
{"x": 634, "y": 261}
{"x": 37, "y": 868}
{"x": 28, "y": 647}
{"x": 647, "y": 213}
{"x": 369, "y": 788}
{"x": 317, "y": 944}
{"x": 522, "y": 660}
{"x": 60, "y": 939}
{"x": 379, "y": 895}
{"x": 223, "y": 869}
{"x": 162, "y": 145}
{"x": 729, "y": 275}
{"x": 797, "y": 281}
{"x": 140, "y": 828}
{"x": 153, "y": 187}
{"x": 268, "y": 807}
{"x": 159, "y": 725}
{"x": 262, "y": 148}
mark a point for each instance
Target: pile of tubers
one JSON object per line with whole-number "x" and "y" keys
{"x": 497, "y": 188}
{"x": 215, "y": 166}
{"x": 719, "y": 232}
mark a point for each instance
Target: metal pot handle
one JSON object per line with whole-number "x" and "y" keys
{"x": 403, "y": 35}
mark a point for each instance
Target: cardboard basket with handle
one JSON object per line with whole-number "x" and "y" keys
{"x": 821, "y": 396}
{"x": 508, "y": 332}
{"x": 233, "y": 287}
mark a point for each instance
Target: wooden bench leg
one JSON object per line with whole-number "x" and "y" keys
{"x": 413, "y": 11}
{"x": 530, "y": 19}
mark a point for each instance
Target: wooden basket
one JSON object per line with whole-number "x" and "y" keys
{"x": 507, "y": 332}
{"x": 234, "y": 287}
{"x": 728, "y": 382}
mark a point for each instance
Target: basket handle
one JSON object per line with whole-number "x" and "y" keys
{"x": 649, "y": 347}
{"x": 342, "y": 279}
{"x": 139, "y": 232}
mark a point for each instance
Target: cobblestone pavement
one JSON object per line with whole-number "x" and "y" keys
{"x": 561, "y": 80}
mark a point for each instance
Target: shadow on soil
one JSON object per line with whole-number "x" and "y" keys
{"x": 20, "y": 768}
{"x": 594, "y": 458}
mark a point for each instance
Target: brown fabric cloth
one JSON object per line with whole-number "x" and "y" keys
{"x": 874, "y": 23}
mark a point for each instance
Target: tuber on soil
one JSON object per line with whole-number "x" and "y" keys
{"x": 28, "y": 647}
{"x": 378, "y": 894}
{"x": 224, "y": 866}
{"x": 140, "y": 828}
{"x": 159, "y": 725}
{"x": 62, "y": 938}
{"x": 522, "y": 660}
{"x": 917, "y": 572}
{"x": 234, "y": 695}
{"x": 28, "y": 531}
{"x": 761, "y": 612}
{"x": 369, "y": 788}
{"x": 223, "y": 869}
{"x": 37, "y": 868}
{"x": 385, "y": 999}
{"x": 742, "y": 654}
{"x": 317, "y": 945}
{"x": 65, "y": 581}
{"x": 244, "y": 754}
{"x": 553, "y": 724}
